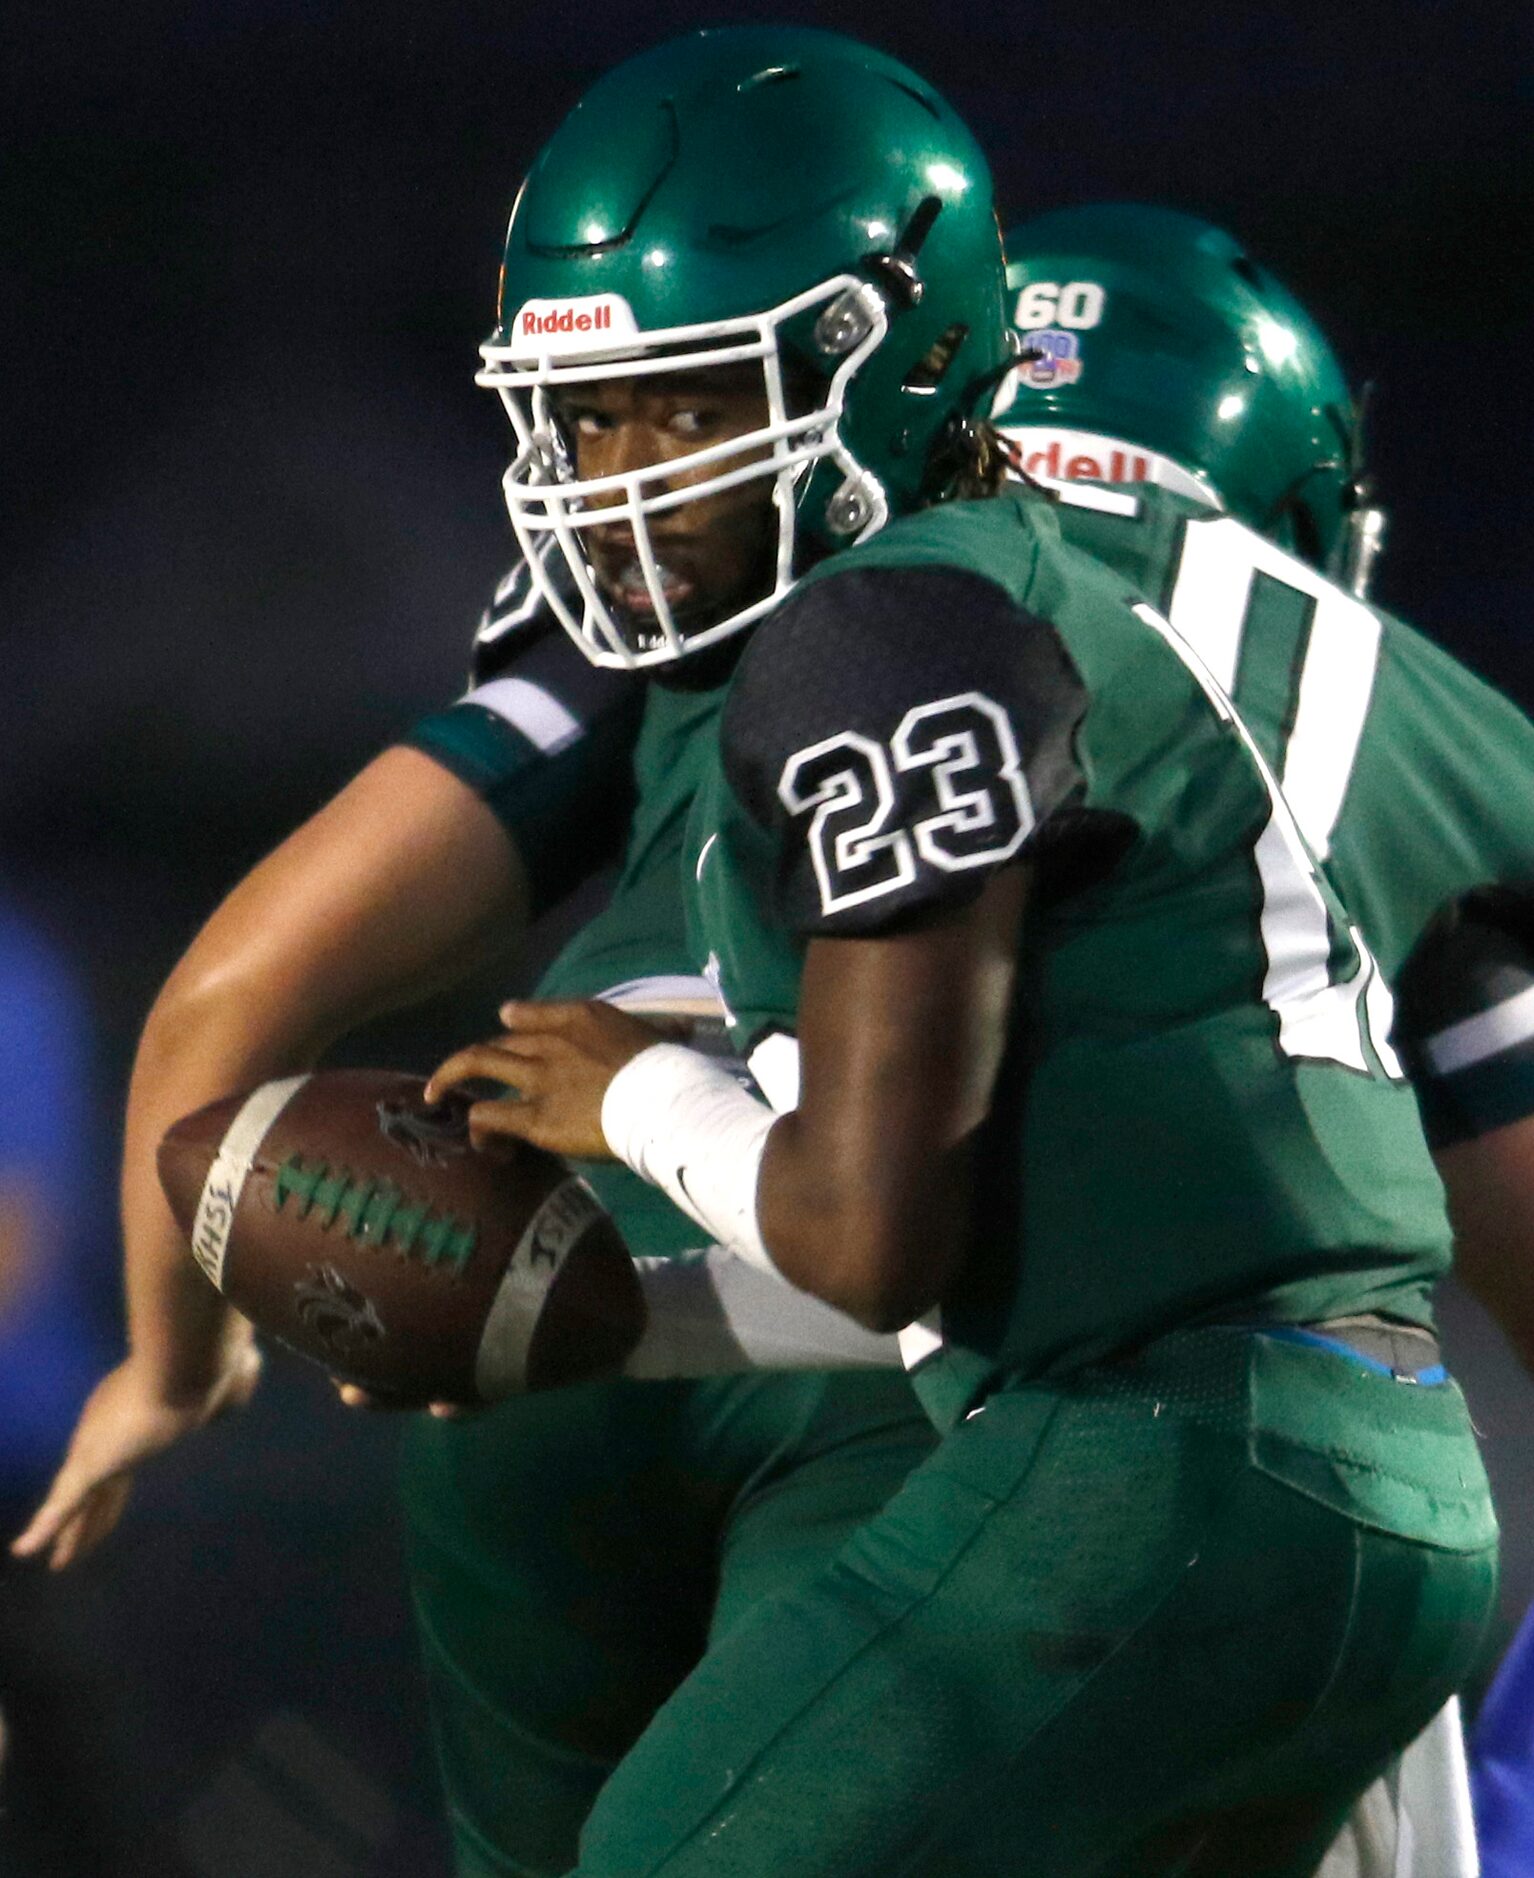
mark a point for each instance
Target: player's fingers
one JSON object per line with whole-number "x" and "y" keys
{"x": 62, "y": 1501}
{"x": 96, "y": 1518}
{"x": 66, "y": 1545}
{"x": 491, "y": 1061}
{"x": 521, "y": 1015}
{"x": 490, "y": 1122}
{"x": 71, "y": 1519}
{"x": 353, "y": 1396}
{"x": 593, "y": 1028}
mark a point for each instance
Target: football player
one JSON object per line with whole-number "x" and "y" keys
{"x": 1171, "y": 280}
{"x": 569, "y": 1555}
{"x": 1094, "y": 1070}
{"x": 1187, "y": 367}
{"x": 569, "y": 1558}
{"x": 1195, "y": 372}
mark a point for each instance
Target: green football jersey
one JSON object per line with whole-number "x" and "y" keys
{"x": 1410, "y": 777}
{"x": 636, "y": 946}
{"x": 1199, "y": 1116}
{"x": 570, "y": 758}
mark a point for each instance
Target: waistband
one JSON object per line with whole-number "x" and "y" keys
{"x": 1386, "y": 1345}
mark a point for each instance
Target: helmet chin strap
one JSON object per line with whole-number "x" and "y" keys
{"x": 860, "y": 505}
{"x": 1363, "y": 536}
{"x": 895, "y": 273}
{"x": 1363, "y": 533}
{"x": 1352, "y": 558}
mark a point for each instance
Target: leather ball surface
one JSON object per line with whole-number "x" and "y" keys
{"x": 354, "y": 1222}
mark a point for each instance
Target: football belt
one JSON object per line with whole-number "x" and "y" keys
{"x": 1406, "y": 1351}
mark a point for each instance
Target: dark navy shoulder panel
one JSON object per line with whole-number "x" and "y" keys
{"x": 546, "y": 738}
{"x": 901, "y": 732}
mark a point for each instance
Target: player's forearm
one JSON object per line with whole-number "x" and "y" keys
{"x": 871, "y": 1235}
{"x": 1489, "y": 1180}
{"x": 193, "y": 1050}
{"x": 814, "y": 1202}
{"x": 864, "y": 1189}
{"x": 393, "y": 890}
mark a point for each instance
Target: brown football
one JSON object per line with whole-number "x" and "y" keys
{"x": 353, "y": 1221}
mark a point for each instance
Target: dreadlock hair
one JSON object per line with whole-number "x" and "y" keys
{"x": 969, "y": 463}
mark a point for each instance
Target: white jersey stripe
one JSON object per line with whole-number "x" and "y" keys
{"x": 1336, "y": 685}
{"x": 668, "y": 993}
{"x": 1485, "y": 1034}
{"x": 1316, "y": 1018}
{"x": 527, "y": 707}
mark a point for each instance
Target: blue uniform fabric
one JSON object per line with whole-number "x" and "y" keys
{"x": 1502, "y": 1764}
{"x": 48, "y": 1355}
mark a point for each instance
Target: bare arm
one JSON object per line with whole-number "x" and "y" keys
{"x": 1490, "y": 1184}
{"x": 395, "y": 889}
{"x": 863, "y": 1198}
{"x": 862, "y": 1195}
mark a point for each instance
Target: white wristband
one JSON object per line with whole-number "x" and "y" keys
{"x": 684, "y": 1123}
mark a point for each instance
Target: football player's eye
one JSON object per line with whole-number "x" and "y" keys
{"x": 691, "y": 421}
{"x": 590, "y": 422}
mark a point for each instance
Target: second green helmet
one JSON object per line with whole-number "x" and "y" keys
{"x": 1162, "y": 351}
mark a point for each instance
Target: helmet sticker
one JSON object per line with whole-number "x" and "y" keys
{"x": 1076, "y": 304}
{"x": 589, "y": 323}
{"x": 1056, "y": 358}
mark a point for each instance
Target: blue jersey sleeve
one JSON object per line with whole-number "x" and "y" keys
{"x": 546, "y": 739}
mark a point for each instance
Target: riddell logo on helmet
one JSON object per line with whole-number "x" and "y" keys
{"x": 1051, "y": 454}
{"x": 587, "y": 324}
{"x": 565, "y": 320}
{"x": 1115, "y": 466}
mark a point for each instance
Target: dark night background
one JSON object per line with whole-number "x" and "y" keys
{"x": 251, "y": 514}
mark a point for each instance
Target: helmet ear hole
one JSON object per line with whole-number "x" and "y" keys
{"x": 1307, "y": 537}
{"x": 931, "y": 368}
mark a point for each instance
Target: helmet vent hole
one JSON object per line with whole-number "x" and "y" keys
{"x": 931, "y": 368}
{"x": 929, "y": 105}
{"x": 769, "y": 75}
{"x": 1250, "y": 272}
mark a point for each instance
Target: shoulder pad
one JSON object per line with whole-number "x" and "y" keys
{"x": 517, "y": 616}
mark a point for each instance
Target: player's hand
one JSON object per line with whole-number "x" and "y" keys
{"x": 354, "y": 1396}
{"x": 555, "y": 1062}
{"x": 126, "y": 1420}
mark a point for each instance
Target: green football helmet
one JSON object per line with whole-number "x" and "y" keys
{"x": 768, "y": 194}
{"x": 1161, "y": 351}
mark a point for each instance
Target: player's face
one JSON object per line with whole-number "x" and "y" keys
{"x": 715, "y": 552}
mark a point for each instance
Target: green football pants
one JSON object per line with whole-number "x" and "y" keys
{"x": 571, "y": 1555}
{"x": 1168, "y": 1618}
